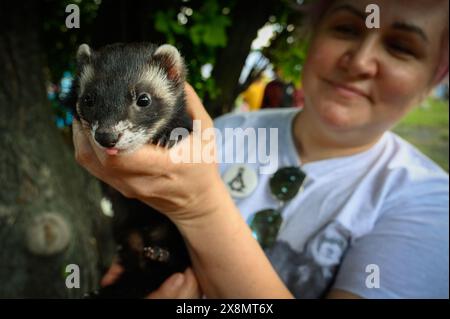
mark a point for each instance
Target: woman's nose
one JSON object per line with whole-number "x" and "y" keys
{"x": 361, "y": 61}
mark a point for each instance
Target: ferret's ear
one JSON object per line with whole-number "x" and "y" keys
{"x": 170, "y": 59}
{"x": 84, "y": 54}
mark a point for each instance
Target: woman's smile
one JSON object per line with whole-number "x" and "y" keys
{"x": 347, "y": 91}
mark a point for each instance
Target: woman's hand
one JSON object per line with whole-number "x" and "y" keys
{"x": 178, "y": 286}
{"x": 182, "y": 191}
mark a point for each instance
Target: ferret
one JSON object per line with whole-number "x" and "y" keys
{"x": 127, "y": 95}
{"x": 130, "y": 94}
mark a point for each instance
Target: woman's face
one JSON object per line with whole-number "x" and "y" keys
{"x": 364, "y": 80}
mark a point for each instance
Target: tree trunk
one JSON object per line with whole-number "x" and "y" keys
{"x": 49, "y": 207}
{"x": 249, "y": 16}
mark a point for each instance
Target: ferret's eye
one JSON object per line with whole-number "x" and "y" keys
{"x": 143, "y": 100}
{"x": 87, "y": 100}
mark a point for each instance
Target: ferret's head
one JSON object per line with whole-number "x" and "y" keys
{"x": 127, "y": 93}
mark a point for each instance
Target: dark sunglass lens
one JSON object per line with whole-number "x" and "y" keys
{"x": 265, "y": 225}
{"x": 286, "y": 183}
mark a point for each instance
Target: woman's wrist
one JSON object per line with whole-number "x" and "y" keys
{"x": 184, "y": 208}
{"x": 205, "y": 206}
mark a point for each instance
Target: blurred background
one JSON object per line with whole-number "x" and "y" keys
{"x": 242, "y": 56}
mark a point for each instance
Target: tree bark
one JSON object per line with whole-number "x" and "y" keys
{"x": 49, "y": 207}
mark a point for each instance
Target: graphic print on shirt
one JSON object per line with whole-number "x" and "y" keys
{"x": 309, "y": 274}
{"x": 237, "y": 183}
{"x": 241, "y": 180}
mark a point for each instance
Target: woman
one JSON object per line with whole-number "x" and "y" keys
{"x": 371, "y": 218}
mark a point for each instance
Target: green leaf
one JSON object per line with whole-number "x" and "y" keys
{"x": 161, "y": 22}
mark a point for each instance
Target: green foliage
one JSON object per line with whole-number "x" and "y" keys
{"x": 209, "y": 25}
{"x": 166, "y": 22}
{"x": 426, "y": 127}
{"x": 289, "y": 46}
{"x": 433, "y": 112}
{"x": 290, "y": 60}
{"x": 198, "y": 31}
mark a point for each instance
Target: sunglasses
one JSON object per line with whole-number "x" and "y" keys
{"x": 285, "y": 184}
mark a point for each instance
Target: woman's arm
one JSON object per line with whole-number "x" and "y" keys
{"x": 228, "y": 261}
{"x": 226, "y": 258}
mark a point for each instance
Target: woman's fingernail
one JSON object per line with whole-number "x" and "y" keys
{"x": 176, "y": 281}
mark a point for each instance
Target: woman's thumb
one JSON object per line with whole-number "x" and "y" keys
{"x": 170, "y": 288}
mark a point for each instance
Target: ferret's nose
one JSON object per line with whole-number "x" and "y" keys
{"x": 107, "y": 139}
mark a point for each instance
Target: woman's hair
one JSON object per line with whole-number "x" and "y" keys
{"x": 315, "y": 10}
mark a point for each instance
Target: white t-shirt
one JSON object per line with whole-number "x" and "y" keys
{"x": 375, "y": 224}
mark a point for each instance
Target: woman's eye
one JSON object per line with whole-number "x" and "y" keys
{"x": 401, "y": 49}
{"x": 88, "y": 100}
{"x": 346, "y": 30}
{"x": 143, "y": 100}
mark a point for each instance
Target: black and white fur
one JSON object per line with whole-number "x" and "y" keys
{"x": 127, "y": 95}
{"x": 113, "y": 81}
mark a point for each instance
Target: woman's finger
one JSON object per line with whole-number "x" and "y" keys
{"x": 192, "y": 288}
{"x": 178, "y": 286}
{"x": 84, "y": 153}
{"x": 112, "y": 275}
{"x": 147, "y": 160}
{"x": 170, "y": 288}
